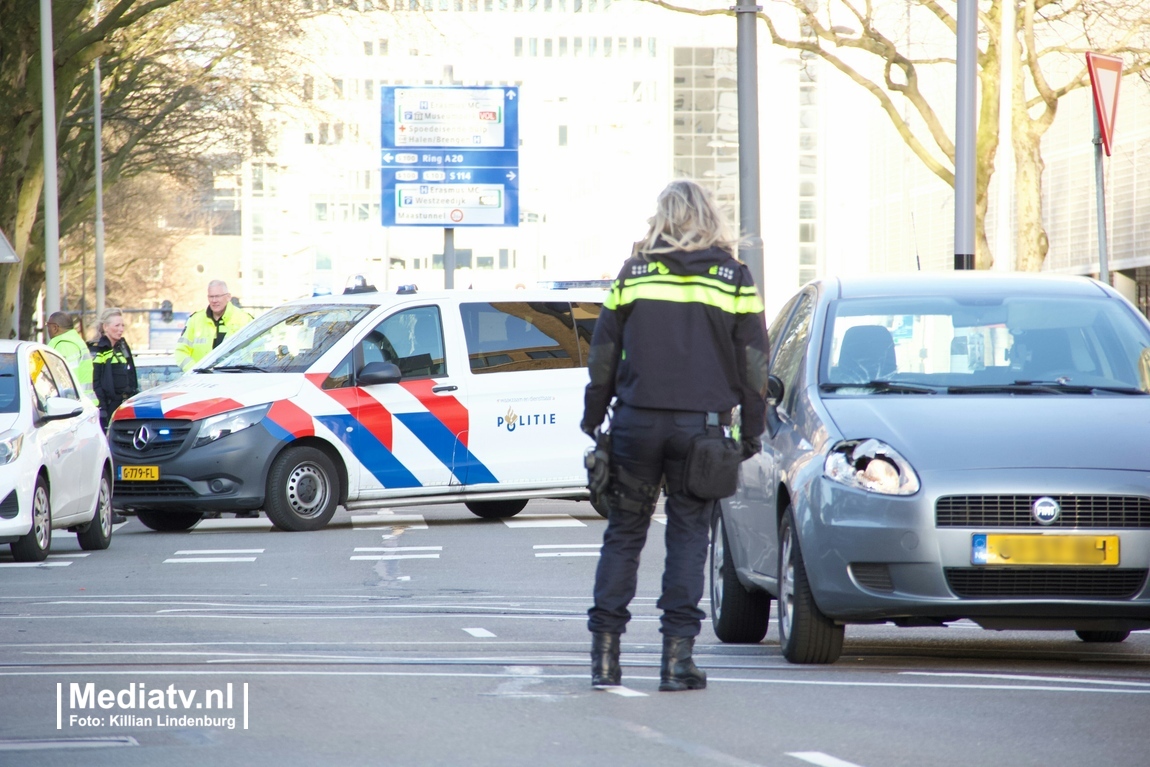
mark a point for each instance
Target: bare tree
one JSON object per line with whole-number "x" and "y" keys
{"x": 182, "y": 80}
{"x": 879, "y": 47}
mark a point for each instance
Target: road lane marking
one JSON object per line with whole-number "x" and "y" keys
{"x": 543, "y": 520}
{"x": 820, "y": 759}
{"x": 569, "y": 554}
{"x": 379, "y": 557}
{"x": 238, "y": 524}
{"x": 399, "y": 548}
{"x": 70, "y": 554}
{"x": 1024, "y": 678}
{"x": 219, "y": 551}
{"x": 568, "y": 546}
{"x": 483, "y": 633}
{"x": 566, "y": 549}
{"x": 202, "y": 560}
{"x": 623, "y": 692}
{"x": 660, "y": 518}
{"x": 384, "y": 521}
{"x": 57, "y": 563}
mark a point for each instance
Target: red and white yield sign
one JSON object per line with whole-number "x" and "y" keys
{"x": 1105, "y": 77}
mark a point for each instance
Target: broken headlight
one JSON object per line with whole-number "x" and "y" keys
{"x": 871, "y": 465}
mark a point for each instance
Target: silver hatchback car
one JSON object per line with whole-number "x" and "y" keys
{"x": 941, "y": 447}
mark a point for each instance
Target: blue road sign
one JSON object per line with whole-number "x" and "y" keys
{"x": 450, "y": 156}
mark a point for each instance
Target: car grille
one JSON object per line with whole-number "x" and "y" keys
{"x": 10, "y": 507}
{"x": 167, "y": 437}
{"x": 164, "y": 488}
{"x": 1078, "y": 511}
{"x": 1044, "y": 583}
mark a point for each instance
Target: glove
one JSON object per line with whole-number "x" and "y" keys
{"x": 751, "y": 446}
{"x": 589, "y": 430}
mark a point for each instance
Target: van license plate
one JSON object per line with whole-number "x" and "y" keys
{"x": 138, "y": 473}
{"x": 994, "y": 549}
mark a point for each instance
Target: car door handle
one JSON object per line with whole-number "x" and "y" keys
{"x": 445, "y": 387}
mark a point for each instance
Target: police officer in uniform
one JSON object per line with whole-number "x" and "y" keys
{"x": 207, "y": 328}
{"x": 680, "y": 342}
{"x": 70, "y": 345}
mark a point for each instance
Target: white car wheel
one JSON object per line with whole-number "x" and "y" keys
{"x": 33, "y": 547}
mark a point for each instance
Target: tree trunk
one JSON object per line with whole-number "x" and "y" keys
{"x": 1032, "y": 243}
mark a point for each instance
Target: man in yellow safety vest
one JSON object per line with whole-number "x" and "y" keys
{"x": 207, "y": 328}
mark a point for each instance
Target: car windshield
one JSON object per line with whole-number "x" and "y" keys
{"x": 958, "y": 345}
{"x": 9, "y": 384}
{"x": 287, "y": 339}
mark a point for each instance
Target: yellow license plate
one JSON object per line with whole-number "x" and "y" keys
{"x": 1005, "y": 549}
{"x": 139, "y": 473}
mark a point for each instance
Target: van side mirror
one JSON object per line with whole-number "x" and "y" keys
{"x": 774, "y": 389}
{"x": 375, "y": 373}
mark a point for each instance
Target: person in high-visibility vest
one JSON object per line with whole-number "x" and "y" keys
{"x": 71, "y": 346}
{"x": 207, "y": 328}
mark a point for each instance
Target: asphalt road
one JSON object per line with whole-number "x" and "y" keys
{"x": 432, "y": 637}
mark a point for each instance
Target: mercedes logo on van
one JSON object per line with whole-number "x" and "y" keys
{"x": 1046, "y": 510}
{"x": 143, "y": 436}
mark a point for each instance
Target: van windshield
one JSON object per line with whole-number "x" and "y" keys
{"x": 287, "y": 339}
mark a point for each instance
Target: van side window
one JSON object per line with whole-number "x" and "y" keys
{"x": 411, "y": 339}
{"x": 508, "y": 336}
{"x": 586, "y": 314}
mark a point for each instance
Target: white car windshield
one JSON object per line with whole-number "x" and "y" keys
{"x": 287, "y": 339}
{"x": 964, "y": 345}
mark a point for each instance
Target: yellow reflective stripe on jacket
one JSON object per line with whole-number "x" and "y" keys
{"x": 686, "y": 289}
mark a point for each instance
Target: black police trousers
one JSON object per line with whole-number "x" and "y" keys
{"x": 650, "y": 445}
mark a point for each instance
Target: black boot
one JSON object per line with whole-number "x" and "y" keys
{"x": 679, "y": 672}
{"x": 605, "y": 670}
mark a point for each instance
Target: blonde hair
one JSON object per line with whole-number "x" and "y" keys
{"x": 686, "y": 218}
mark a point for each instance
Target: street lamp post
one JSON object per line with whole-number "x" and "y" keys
{"x": 51, "y": 193}
{"x": 750, "y": 226}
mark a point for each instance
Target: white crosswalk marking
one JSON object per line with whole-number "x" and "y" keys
{"x": 382, "y": 521}
{"x": 56, "y": 563}
{"x": 201, "y": 556}
{"x": 543, "y": 520}
{"x": 820, "y": 759}
{"x": 481, "y": 633}
{"x": 394, "y": 552}
{"x": 235, "y": 524}
{"x": 568, "y": 549}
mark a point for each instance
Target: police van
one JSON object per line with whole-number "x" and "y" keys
{"x": 366, "y": 400}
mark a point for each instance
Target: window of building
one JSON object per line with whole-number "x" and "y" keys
{"x": 382, "y": 47}
{"x": 807, "y": 188}
{"x": 485, "y": 262}
{"x": 562, "y": 46}
{"x": 577, "y": 46}
{"x": 337, "y": 87}
{"x": 808, "y": 164}
{"x": 562, "y": 135}
{"x": 308, "y": 88}
{"x": 368, "y": 48}
{"x": 503, "y": 258}
{"x": 806, "y": 232}
{"x": 257, "y": 224}
{"x": 319, "y": 211}
{"x": 533, "y": 47}
{"x": 519, "y": 46}
{"x": 807, "y": 209}
{"x": 308, "y": 137}
{"x": 808, "y": 140}
{"x": 651, "y": 46}
{"x": 592, "y": 46}
{"x": 547, "y": 48}
{"x": 323, "y": 131}
{"x": 606, "y": 46}
{"x": 369, "y": 89}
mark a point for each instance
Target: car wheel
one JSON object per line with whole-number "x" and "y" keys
{"x": 805, "y": 634}
{"x": 1102, "y": 636}
{"x": 737, "y": 615}
{"x": 168, "y": 521}
{"x": 496, "y": 509}
{"x": 34, "y": 546}
{"x": 97, "y": 535}
{"x": 303, "y": 489}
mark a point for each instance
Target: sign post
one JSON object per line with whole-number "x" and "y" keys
{"x": 1105, "y": 77}
{"x": 450, "y": 158}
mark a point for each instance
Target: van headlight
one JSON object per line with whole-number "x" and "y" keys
{"x": 10, "y": 443}
{"x": 230, "y": 422}
{"x": 871, "y": 465}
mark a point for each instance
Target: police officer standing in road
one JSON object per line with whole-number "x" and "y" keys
{"x": 207, "y": 328}
{"x": 70, "y": 345}
{"x": 680, "y": 342}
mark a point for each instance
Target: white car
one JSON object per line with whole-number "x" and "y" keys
{"x": 55, "y": 466}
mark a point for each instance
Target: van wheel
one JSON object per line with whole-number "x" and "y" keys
{"x": 805, "y": 634}
{"x": 303, "y": 489}
{"x": 98, "y": 533}
{"x": 1102, "y": 636}
{"x": 168, "y": 521}
{"x": 34, "y": 546}
{"x": 737, "y": 615}
{"x": 496, "y": 509}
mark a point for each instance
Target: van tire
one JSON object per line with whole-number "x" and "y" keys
{"x": 303, "y": 489}
{"x": 496, "y": 509}
{"x": 168, "y": 521}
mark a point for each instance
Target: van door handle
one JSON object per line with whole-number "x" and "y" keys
{"x": 445, "y": 387}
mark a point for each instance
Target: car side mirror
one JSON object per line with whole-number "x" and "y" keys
{"x": 774, "y": 390}
{"x": 58, "y": 408}
{"x": 374, "y": 373}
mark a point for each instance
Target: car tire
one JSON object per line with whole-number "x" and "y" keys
{"x": 97, "y": 534}
{"x": 737, "y": 615}
{"x": 303, "y": 489}
{"x": 34, "y": 546}
{"x": 1102, "y": 636}
{"x": 496, "y": 509}
{"x": 805, "y": 634}
{"x": 168, "y": 521}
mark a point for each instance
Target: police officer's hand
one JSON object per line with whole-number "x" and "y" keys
{"x": 751, "y": 446}
{"x": 589, "y": 429}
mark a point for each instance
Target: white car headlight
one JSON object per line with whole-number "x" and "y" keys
{"x": 229, "y": 423}
{"x": 10, "y": 444}
{"x": 871, "y": 465}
